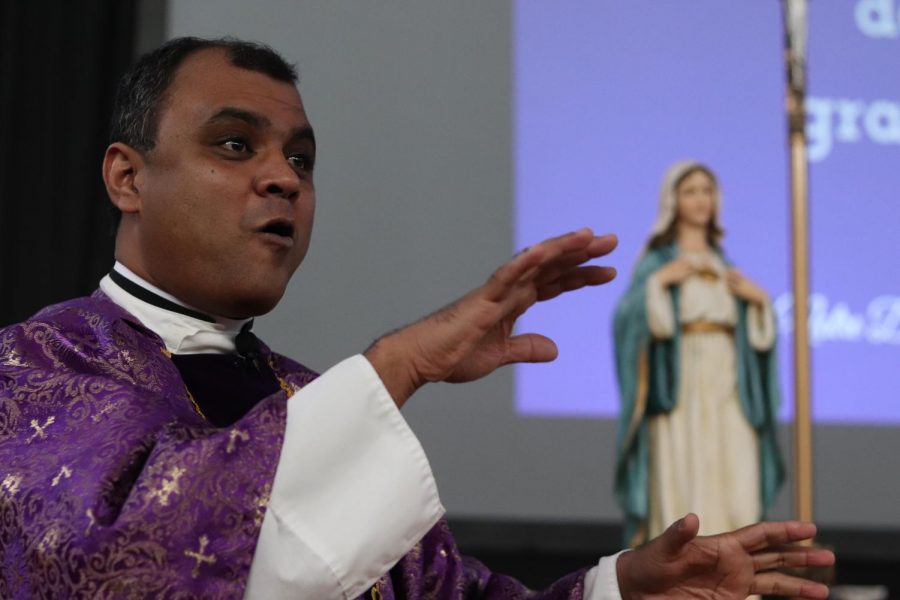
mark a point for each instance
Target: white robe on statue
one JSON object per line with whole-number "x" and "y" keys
{"x": 704, "y": 454}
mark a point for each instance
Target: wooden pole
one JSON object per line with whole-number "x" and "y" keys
{"x": 802, "y": 396}
{"x": 795, "y": 57}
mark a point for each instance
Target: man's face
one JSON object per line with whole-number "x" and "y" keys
{"x": 226, "y": 195}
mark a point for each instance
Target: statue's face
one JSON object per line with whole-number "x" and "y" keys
{"x": 696, "y": 200}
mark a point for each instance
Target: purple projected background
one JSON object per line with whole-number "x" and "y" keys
{"x": 608, "y": 94}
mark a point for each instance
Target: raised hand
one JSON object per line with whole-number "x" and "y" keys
{"x": 678, "y": 564}
{"x": 473, "y": 336}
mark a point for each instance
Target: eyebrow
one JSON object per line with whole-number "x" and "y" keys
{"x": 254, "y": 119}
{"x": 247, "y": 116}
{"x": 300, "y": 134}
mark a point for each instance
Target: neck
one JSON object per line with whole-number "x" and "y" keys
{"x": 182, "y": 329}
{"x": 692, "y": 238}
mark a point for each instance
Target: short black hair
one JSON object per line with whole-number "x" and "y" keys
{"x": 141, "y": 92}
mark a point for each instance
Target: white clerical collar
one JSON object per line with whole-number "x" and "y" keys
{"x": 182, "y": 333}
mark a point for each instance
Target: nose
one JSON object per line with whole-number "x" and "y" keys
{"x": 277, "y": 178}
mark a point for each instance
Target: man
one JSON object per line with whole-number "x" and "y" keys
{"x": 151, "y": 446}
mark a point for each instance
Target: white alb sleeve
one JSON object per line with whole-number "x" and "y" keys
{"x": 602, "y": 582}
{"x": 353, "y": 491}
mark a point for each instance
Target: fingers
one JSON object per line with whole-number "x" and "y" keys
{"x": 793, "y": 557}
{"x": 680, "y": 533}
{"x": 510, "y": 273}
{"x": 772, "y": 583}
{"x": 566, "y": 274}
{"x": 531, "y": 348}
{"x": 545, "y": 271}
{"x": 549, "y": 261}
{"x": 773, "y": 534}
{"x": 526, "y": 261}
{"x": 575, "y": 279}
{"x": 599, "y": 246}
{"x": 573, "y": 250}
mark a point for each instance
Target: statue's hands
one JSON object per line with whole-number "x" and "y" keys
{"x": 679, "y": 564}
{"x": 473, "y": 336}
{"x": 743, "y": 287}
{"x": 675, "y": 271}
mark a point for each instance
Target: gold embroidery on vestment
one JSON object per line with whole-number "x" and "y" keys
{"x": 64, "y": 472}
{"x": 284, "y": 385}
{"x": 200, "y": 557}
{"x": 261, "y": 502}
{"x": 96, "y": 418}
{"x": 11, "y": 484}
{"x": 49, "y": 541}
{"x": 39, "y": 430}
{"x": 92, "y": 520}
{"x": 194, "y": 403}
{"x": 167, "y": 487}
{"x": 232, "y": 436}
{"x": 13, "y": 359}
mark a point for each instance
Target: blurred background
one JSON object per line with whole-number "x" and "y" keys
{"x": 451, "y": 135}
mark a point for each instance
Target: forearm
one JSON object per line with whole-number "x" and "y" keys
{"x": 388, "y": 357}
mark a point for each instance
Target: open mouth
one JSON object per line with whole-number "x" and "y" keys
{"x": 280, "y": 227}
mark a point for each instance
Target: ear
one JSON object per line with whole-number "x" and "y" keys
{"x": 122, "y": 166}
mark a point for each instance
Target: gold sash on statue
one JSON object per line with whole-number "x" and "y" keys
{"x": 706, "y": 327}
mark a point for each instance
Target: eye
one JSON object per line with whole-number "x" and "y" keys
{"x": 301, "y": 162}
{"x": 235, "y": 144}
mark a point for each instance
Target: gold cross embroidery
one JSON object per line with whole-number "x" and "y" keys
{"x": 64, "y": 472}
{"x": 262, "y": 501}
{"x": 167, "y": 487}
{"x": 39, "y": 429}
{"x": 232, "y": 436}
{"x": 11, "y": 484}
{"x": 200, "y": 557}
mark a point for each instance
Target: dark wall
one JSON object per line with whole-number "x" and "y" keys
{"x": 59, "y": 61}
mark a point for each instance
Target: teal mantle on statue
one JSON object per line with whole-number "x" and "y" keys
{"x": 648, "y": 373}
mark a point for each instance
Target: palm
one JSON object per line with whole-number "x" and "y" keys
{"x": 678, "y": 564}
{"x": 487, "y": 354}
{"x": 456, "y": 349}
{"x": 714, "y": 568}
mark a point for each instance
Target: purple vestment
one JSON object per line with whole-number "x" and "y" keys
{"x": 112, "y": 485}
